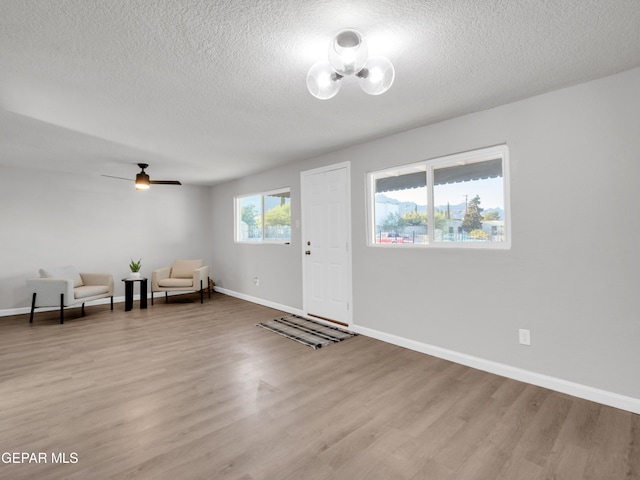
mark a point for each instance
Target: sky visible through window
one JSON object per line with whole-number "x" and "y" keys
{"x": 489, "y": 190}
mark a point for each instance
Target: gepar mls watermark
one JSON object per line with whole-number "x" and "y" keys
{"x": 40, "y": 457}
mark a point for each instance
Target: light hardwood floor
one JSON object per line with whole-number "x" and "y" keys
{"x": 190, "y": 391}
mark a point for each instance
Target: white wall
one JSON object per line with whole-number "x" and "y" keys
{"x": 96, "y": 223}
{"x": 571, "y": 276}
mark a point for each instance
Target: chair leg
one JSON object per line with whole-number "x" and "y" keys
{"x": 61, "y": 308}
{"x": 166, "y": 297}
{"x": 209, "y": 286}
{"x": 111, "y": 302}
{"x": 151, "y": 297}
{"x": 33, "y": 306}
{"x": 201, "y": 292}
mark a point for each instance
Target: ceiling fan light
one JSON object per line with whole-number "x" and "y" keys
{"x": 347, "y": 52}
{"x": 142, "y": 181}
{"x": 377, "y": 76}
{"x": 322, "y": 81}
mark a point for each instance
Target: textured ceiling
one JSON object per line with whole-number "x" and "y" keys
{"x": 207, "y": 90}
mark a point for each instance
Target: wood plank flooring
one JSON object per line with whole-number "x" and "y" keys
{"x": 190, "y": 391}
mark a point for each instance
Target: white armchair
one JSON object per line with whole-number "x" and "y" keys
{"x": 65, "y": 286}
{"x": 183, "y": 275}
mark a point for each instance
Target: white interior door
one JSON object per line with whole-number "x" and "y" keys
{"x": 326, "y": 228}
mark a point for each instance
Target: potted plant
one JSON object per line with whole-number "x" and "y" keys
{"x": 135, "y": 268}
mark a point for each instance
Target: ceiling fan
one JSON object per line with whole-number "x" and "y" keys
{"x": 143, "y": 181}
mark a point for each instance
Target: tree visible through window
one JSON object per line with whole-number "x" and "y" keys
{"x": 460, "y": 199}
{"x": 264, "y": 217}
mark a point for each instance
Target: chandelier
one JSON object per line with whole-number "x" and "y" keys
{"x": 348, "y": 55}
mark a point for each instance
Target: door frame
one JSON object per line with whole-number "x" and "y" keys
{"x": 304, "y": 226}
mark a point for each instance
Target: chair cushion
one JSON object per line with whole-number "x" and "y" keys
{"x": 68, "y": 271}
{"x": 90, "y": 291}
{"x": 176, "y": 282}
{"x": 184, "y": 268}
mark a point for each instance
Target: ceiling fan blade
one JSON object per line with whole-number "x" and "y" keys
{"x": 165, "y": 182}
{"x": 119, "y": 178}
{"x": 142, "y": 179}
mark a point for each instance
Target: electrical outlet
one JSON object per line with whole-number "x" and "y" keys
{"x": 525, "y": 336}
{"x": 256, "y": 281}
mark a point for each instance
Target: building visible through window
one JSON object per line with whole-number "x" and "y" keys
{"x": 459, "y": 199}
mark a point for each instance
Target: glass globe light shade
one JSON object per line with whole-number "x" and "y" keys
{"x": 377, "y": 76}
{"x": 322, "y": 81}
{"x": 348, "y": 52}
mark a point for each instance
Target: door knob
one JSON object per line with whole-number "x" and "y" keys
{"x": 308, "y": 252}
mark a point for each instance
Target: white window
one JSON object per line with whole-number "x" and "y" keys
{"x": 455, "y": 201}
{"x": 263, "y": 217}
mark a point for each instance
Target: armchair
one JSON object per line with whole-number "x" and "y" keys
{"x": 64, "y": 286}
{"x": 183, "y": 275}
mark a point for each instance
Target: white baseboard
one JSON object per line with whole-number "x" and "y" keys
{"x": 604, "y": 397}
{"x": 22, "y": 310}
{"x": 260, "y": 301}
{"x": 557, "y": 384}
{"x": 553, "y": 383}
{"x": 102, "y": 301}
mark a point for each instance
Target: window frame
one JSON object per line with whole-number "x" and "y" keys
{"x": 237, "y": 217}
{"x": 469, "y": 157}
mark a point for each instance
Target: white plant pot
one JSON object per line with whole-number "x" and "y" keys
{"x": 134, "y": 275}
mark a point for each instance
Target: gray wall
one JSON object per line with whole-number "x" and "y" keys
{"x": 570, "y": 276}
{"x": 278, "y": 266}
{"x": 96, "y": 223}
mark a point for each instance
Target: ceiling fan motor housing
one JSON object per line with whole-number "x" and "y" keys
{"x": 143, "y": 181}
{"x": 142, "y": 178}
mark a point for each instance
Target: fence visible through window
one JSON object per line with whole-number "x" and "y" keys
{"x": 469, "y": 202}
{"x": 264, "y": 217}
